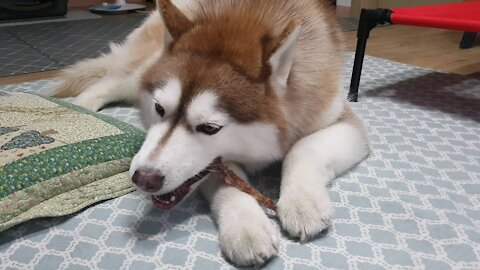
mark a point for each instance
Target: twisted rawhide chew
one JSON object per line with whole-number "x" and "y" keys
{"x": 231, "y": 179}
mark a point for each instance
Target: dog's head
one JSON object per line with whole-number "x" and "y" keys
{"x": 209, "y": 97}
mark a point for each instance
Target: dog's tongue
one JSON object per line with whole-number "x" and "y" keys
{"x": 169, "y": 200}
{"x": 165, "y": 201}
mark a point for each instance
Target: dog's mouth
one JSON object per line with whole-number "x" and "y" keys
{"x": 169, "y": 200}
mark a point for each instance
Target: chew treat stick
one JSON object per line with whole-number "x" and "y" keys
{"x": 233, "y": 180}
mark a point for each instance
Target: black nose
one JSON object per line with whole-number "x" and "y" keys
{"x": 148, "y": 180}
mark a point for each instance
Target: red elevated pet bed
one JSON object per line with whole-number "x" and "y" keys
{"x": 464, "y": 16}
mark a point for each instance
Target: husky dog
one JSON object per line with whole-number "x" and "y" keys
{"x": 252, "y": 82}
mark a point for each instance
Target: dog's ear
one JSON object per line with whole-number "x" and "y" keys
{"x": 279, "y": 55}
{"x": 175, "y": 21}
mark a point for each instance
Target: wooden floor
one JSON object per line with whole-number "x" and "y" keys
{"x": 425, "y": 47}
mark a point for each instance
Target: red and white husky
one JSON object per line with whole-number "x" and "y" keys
{"x": 252, "y": 82}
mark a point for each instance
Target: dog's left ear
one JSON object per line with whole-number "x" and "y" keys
{"x": 281, "y": 53}
{"x": 175, "y": 21}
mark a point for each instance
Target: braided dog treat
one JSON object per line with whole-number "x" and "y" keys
{"x": 231, "y": 179}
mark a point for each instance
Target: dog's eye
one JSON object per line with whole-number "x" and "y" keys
{"x": 208, "y": 129}
{"x": 160, "y": 110}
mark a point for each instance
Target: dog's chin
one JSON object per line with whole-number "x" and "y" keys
{"x": 169, "y": 200}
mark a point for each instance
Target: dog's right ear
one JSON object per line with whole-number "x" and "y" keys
{"x": 280, "y": 53}
{"x": 175, "y": 21}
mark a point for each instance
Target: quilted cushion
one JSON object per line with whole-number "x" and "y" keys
{"x": 57, "y": 158}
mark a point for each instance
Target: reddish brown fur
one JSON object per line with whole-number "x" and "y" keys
{"x": 174, "y": 19}
{"x": 226, "y": 50}
{"x": 240, "y": 96}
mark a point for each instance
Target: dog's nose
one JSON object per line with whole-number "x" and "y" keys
{"x": 148, "y": 180}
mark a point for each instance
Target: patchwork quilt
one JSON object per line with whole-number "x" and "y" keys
{"x": 57, "y": 158}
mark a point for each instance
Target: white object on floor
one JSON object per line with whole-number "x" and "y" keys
{"x": 119, "y": 7}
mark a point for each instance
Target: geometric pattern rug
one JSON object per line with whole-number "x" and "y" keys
{"x": 413, "y": 204}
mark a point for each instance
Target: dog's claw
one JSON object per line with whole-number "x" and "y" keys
{"x": 251, "y": 243}
{"x": 304, "y": 217}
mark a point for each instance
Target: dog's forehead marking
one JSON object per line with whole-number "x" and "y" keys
{"x": 169, "y": 95}
{"x": 204, "y": 108}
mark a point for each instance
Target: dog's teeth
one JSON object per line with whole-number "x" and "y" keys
{"x": 172, "y": 198}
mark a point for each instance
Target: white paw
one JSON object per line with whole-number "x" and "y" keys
{"x": 252, "y": 239}
{"x": 304, "y": 214}
{"x": 88, "y": 103}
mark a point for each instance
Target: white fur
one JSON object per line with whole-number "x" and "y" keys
{"x": 169, "y": 96}
{"x": 254, "y": 145}
{"x": 146, "y": 105}
{"x": 107, "y": 90}
{"x": 247, "y": 235}
{"x": 187, "y": 152}
{"x": 333, "y": 112}
{"x": 204, "y": 109}
{"x": 304, "y": 207}
{"x": 114, "y": 76}
{"x": 281, "y": 61}
{"x": 154, "y": 135}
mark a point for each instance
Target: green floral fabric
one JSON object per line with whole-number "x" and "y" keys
{"x": 47, "y": 159}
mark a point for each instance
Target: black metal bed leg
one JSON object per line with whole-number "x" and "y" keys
{"x": 467, "y": 40}
{"x": 369, "y": 19}
{"x": 362, "y": 36}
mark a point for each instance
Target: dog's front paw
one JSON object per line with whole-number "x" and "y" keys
{"x": 304, "y": 214}
{"x": 250, "y": 240}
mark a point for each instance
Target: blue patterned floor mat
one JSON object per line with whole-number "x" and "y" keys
{"x": 413, "y": 204}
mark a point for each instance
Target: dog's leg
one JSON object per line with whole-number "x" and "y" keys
{"x": 108, "y": 90}
{"x": 247, "y": 235}
{"x": 304, "y": 207}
